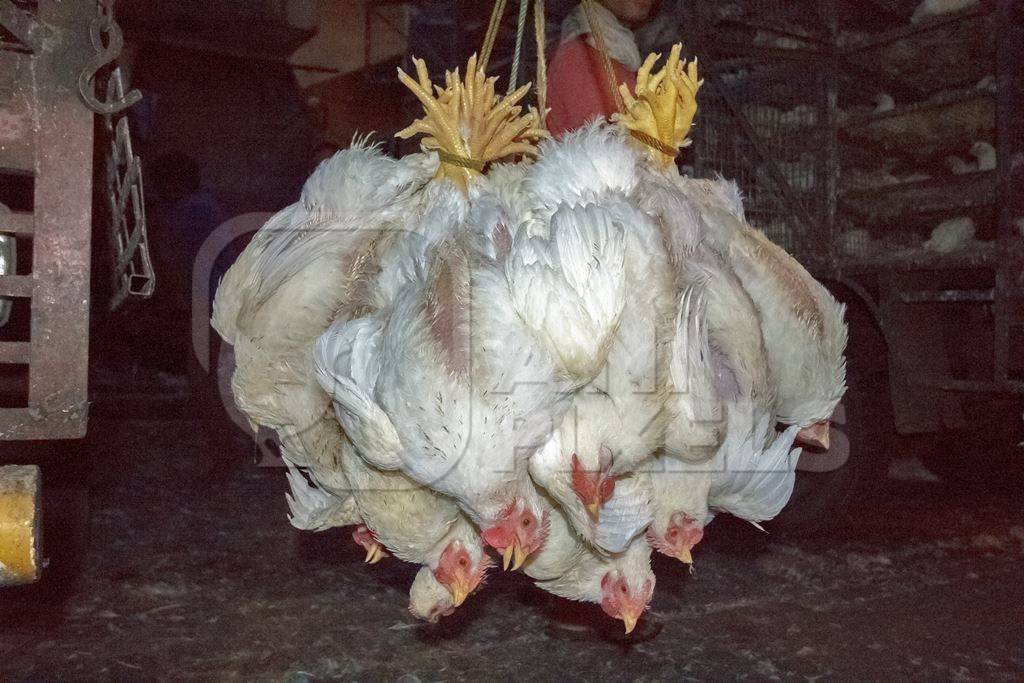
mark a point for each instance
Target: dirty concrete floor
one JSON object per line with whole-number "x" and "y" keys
{"x": 193, "y": 572}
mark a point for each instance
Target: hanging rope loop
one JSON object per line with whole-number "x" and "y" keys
{"x": 513, "y": 76}
{"x": 492, "y": 33}
{"x": 602, "y": 48}
{"x": 541, "y": 38}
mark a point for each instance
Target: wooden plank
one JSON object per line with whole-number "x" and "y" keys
{"x": 909, "y": 30}
{"x": 936, "y": 195}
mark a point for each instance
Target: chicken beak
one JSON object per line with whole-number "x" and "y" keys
{"x": 630, "y": 622}
{"x": 374, "y": 554}
{"x": 519, "y": 557}
{"x": 593, "y": 511}
{"x": 685, "y": 556}
{"x": 506, "y": 556}
{"x": 459, "y": 593}
{"x": 816, "y": 435}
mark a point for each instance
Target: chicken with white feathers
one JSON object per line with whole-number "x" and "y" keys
{"x": 616, "y": 422}
{"x": 574, "y": 361}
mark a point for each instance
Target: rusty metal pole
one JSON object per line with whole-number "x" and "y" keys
{"x": 19, "y": 524}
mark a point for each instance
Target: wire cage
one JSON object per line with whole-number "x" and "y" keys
{"x": 763, "y": 127}
{"x": 764, "y": 119}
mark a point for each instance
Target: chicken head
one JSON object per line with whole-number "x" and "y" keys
{"x": 680, "y": 536}
{"x": 620, "y": 600}
{"x": 458, "y": 572}
{"x": 517, "y": 533}
{"x": 593, "y": 488}
{"x": 429, "y": 600}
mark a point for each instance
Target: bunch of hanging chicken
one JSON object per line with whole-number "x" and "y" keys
{"x": 559, "y": 352}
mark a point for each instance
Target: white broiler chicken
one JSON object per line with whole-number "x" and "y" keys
{"x": 477, "y": 357}
{"x": 284, "y": 289}
{"x": 721, "y": 389}
{"x": 801, "y": 322}
{"x": 722, "y": 394}
{"x": 616, "y": 422}
{"x": 622, "y": 583}
{"x": 453, "y": 389}
{"x": 417, "y": 525}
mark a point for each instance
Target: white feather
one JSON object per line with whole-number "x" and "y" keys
{"x": 313, "y": 509}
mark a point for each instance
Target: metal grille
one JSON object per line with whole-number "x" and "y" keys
{"x": 762, "y": 126}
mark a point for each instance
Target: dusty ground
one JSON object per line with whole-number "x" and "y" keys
{"x": 193, "y": 572}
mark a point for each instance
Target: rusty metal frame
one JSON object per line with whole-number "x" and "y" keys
{"x": 55, "y": 146}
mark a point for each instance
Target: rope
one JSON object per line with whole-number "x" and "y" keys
{"x": 654, "y": 143}
{"x": 456, "y": 160}
{"x": 492, "y": 33}
{"x": 541, "y": 36}
{"x": 602, "y": 47}
{"x": 520, "y": 30}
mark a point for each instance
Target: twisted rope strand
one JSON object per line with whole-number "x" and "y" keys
{"x": 517, "y": 53}
{"x": 602, "y": 47}
{"x": 492, "y": 33}
{"x": 541, "y": 36}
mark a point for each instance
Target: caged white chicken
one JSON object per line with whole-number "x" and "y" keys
{"x": 575, "y": 356}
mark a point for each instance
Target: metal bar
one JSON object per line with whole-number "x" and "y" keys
{"x": 948, "y": 296}
{"x": 21, "y": 25}
{"x": 972, "y": 385}
{"x": 830, "y": 106}
{"x": 907, "y": 30}
{"x": 58, "y": 368}
{"x": 367, "y": 35}
{"x": 18, "y": 223}
{"x": 19, "y": 286}
{"x": 34, "y": 424}
{"x": 940, "y": 102}
{"x": 16, "y": 353}
{"x": 16, "y": 143}
{"x": 1009, "y": 144}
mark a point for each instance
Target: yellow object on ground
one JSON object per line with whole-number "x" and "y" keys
{"x": 19, "y": 524}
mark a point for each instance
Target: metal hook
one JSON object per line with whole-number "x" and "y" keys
{"x": 104, "y": 23}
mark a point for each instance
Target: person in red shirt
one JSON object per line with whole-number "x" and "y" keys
{"x": 578, "y": 89}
